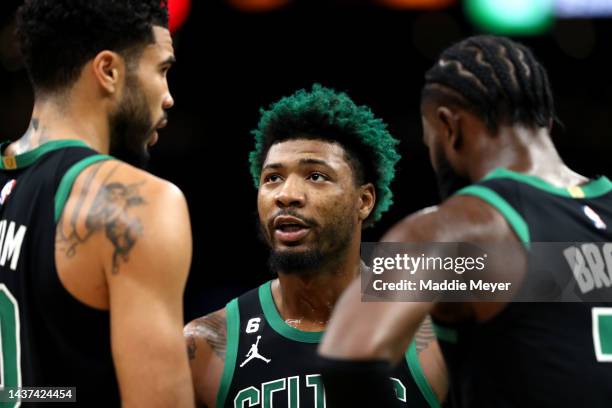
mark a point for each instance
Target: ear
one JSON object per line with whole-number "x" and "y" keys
{"x": 451, "y": 124}
{"x": 367, "y": 200}
{"x": 108, "y": 69}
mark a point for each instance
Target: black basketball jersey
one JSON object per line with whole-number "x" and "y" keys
{"x": 269, "y": 363}
{"x": 543, "y": 354}
{"x": 48, "y": 337}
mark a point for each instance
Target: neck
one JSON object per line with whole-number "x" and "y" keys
{"x": 306, "y": 301}
{"x": 58, "y": 118}
{"x": 524, "y": 150}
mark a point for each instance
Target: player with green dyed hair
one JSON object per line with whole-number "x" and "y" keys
{"x": 325, "y": 114}
{"x": 322, "y": 166}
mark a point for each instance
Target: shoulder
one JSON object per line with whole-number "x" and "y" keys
{"x": 461, "y": 218}
{"x": 207, "y": 334}
{"x": 119, "y": 180}
{"x": 466, "y": 219}
{"x": 120, "y": 216}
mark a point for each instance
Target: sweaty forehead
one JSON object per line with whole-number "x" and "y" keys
{"x": 295, "y": 150}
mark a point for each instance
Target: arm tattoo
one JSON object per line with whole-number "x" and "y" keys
{"x": 211, "y": 328}
{"x": 217, "y": 338}
{"x": 68, "y": 243}
{"x": 425, "y": 335}
{"x": 109, "y": 212}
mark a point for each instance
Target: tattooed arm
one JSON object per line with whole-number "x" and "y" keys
{"x": 128, "y": 234}
{"x": 206, "y": 340}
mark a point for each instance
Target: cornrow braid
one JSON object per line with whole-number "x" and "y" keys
{"x": 494, "y": 77}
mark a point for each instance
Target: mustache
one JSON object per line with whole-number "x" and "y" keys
{"x": 309, "y": 222}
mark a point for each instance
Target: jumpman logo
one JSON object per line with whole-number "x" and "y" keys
{"x": 253, "y": 353}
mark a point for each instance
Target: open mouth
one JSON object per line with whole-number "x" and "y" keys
{"x": 290, "y": 229}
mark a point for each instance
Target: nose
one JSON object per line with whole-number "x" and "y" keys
{"x": 290, "y": 194}
{"x": 168, "y": 102}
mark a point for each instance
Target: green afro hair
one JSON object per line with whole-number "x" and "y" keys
{"x": 325, "y": 114}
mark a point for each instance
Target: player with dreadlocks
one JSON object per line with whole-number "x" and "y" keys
{"x": 323, "y": 166}
{"x": 487, "y": 111}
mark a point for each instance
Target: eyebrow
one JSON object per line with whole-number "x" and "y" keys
{"x": 273, "y": 166}
{"x": 314, "y": 161}
{"x": 302, "y": 161}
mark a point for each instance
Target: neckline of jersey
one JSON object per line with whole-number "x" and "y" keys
{"x": 276, "y": 321}
{"x": 594, "y": 188}
{"x": 28, "y": 158}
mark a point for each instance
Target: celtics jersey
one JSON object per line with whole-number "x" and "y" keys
{"x": 543, "y": 354}
{"x": 271, "y": 364}
{"x": 48, "y": 338}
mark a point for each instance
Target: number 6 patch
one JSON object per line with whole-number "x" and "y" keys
{"x": 253, "y": 325}
{"x": 602, "y": 333}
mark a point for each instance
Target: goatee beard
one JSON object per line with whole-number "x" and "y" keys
{"x": 290, "y": 262}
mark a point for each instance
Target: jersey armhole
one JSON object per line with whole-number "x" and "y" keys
{"x": 65, "y": 185}
{"x": 414, "y": 365}
{"x": 512, "y": 217}
{"x": 232, "y": 316}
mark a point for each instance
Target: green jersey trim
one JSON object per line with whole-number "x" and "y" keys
{"x": 412, "y": 359}
{"x": 28, "y": 158}
{"x": 516, "y": 221}
{"x": 594, "y": 188}
{"x": 65, "y": 186}
{"x": 232, "y": 314}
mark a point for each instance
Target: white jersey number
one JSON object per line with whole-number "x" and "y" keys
{"x": 253, "y": 325}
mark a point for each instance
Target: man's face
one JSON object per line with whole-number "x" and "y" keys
{"x": 146, "y": 97}
{"x": 307, "y": 203}
{"x": 437, "y": 141}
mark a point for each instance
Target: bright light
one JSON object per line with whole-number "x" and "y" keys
{"x": 514, "y": 17}
{"x": 583, "y": 8}
{"x": 178, "y": 11}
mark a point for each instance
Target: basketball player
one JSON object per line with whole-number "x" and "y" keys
{"x": 323, "y": 167}
{"x": 487, "y": 112}
{"x": 94, "y": 251}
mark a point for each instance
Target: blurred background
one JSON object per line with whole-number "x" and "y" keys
{"x": 235, "y": 56}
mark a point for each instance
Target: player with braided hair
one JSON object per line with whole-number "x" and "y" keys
{"x": 487, "y": 112}
{"x": 496, "y": 79}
